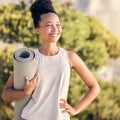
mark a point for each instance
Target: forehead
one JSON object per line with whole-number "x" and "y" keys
{"x": 49, "y": 17}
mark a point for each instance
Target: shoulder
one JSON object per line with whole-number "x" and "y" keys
{"x": 71, "y": 53}
{"x": 73, "y": 58}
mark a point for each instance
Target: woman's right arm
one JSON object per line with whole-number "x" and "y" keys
{"x": 11, "y": 94}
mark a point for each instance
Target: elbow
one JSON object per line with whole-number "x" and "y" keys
{"x": 97, "y": 90}
{"x": 4, "y": 96}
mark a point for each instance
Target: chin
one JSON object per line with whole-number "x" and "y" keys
{"x": 54, "y": 39}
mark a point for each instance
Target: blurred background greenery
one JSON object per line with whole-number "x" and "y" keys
{"x": 82, "y": 33}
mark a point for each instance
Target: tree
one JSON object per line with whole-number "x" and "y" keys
{"x": 16, "y": 25}
{"x": 81, "y": 33}
{"x": 6, "y": 108}
{"x": 85, "y": 35}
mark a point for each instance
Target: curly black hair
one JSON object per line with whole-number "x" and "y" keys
{"x": 40, "y": 7}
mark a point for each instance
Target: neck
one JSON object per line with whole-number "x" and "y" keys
{"x": 49, "y": 49}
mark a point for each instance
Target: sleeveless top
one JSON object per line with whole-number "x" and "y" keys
{"x": 53, "y": 82}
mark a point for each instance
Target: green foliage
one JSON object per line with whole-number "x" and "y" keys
{"x": 6, "y": 63}
{"x": 88, "y": 37}
{"x": 16, "y": 25}
{"x": 92, "y": 54}
{"x": 81, "y": 33}
{"x": 6, "y": 67}
{"x": 105, "y": 107}
{"x": 100, "y": 34}
{"x": 6, "y": 113}
{"x": 77, "y": 88}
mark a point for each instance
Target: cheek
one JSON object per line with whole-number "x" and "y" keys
{"x": 60, "y": 30}
{"x": 44, "y": 32}
{"x": 47, "y": 30}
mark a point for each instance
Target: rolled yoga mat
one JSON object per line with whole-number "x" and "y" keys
{"x": 25, "y": 64}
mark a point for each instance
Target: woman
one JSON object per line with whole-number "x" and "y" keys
{"x": 49, "y": 87}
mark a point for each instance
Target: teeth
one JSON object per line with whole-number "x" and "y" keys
{"x": 53, "y": 35}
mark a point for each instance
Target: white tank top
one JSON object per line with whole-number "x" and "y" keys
{"x": 53, "y": 83}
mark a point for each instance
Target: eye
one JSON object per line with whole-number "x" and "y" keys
{"x": 48, "y": 25}
{"x": 58, "y": 25}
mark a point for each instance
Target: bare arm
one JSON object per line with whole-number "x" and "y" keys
{"x": 82, "y": 70}
{"x": 10, "y": 94}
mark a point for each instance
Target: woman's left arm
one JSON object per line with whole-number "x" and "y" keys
{"x": 81, "y": 69}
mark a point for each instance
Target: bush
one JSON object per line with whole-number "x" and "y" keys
{"x": 81, "y": 33}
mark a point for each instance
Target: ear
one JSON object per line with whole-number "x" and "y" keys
{"x": 37, "y": 31}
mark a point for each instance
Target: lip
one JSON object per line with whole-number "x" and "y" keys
{"x": 54, "y": 35}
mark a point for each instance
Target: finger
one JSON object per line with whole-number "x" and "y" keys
{"x": 68, "y": 108}
{"x": 26, "y": 79}
{"x": 65, "y": 110}
{"x": 62, "y": 105}
{"x": 63, "y": 100}
{"x": 35, "y": 76}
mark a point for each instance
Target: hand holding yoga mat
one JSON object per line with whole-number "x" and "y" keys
{"x": 25, "y": 64}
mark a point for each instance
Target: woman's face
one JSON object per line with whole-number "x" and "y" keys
{"x": 49, "y": 28}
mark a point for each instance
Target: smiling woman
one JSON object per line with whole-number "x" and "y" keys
{"x": 49, "y": 88}
{"x": 49, "y": 28}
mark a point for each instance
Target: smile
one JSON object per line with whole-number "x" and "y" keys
{"x": 53, "y": 35}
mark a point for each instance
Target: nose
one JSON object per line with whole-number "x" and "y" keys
{"x": 54, "y": 28}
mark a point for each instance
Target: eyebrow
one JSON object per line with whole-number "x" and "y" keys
{"x": 50, "y": 22}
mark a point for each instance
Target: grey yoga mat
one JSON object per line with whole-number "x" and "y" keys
{"x": 25, "y": 64}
